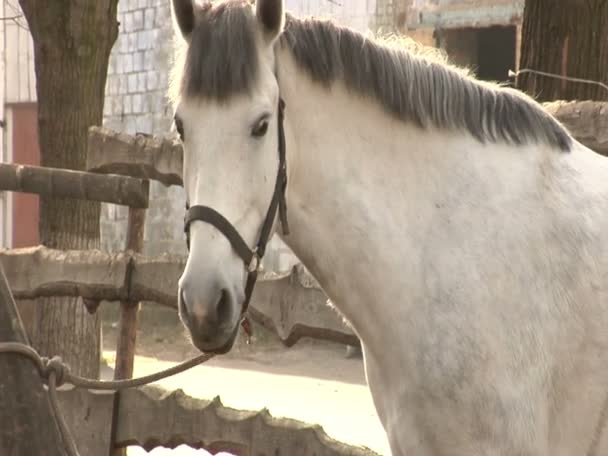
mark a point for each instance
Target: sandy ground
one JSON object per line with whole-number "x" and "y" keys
{"x": 312, "y": 382}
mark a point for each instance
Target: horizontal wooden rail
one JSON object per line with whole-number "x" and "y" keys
{"x": 62, "y": 183}
{"x": 141, "y": 156}
{"x": 290, "y": 305}
{"x": 151, "y": 417}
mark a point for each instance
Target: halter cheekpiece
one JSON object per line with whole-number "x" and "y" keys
{"x": 252, "y": 258}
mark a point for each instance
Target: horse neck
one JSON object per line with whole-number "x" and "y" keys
{"x": 364, "y": 189}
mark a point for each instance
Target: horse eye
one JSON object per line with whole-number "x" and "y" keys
{"x": 179, "y": 126}
{"x": 260, "y": 129}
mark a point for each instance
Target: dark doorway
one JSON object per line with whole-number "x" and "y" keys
{"x": 496, "y": 50}
{"x": 489, "y": 51}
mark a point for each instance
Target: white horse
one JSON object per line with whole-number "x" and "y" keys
{"x": 455, "y": 224}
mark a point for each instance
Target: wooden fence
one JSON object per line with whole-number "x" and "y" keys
{"x": 291, "y": 305}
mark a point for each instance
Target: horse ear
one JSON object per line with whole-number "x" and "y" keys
{"x": 183, "y": 12}
{"x": 270, "y": 14}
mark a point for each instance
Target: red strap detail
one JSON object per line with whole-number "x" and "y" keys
{"x": 246, "y": 324}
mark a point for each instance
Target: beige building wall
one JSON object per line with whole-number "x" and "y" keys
{"x": 17, "y": 85}
{"x": 18, "y": 55}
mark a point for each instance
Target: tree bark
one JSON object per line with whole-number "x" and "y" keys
{"x": 27, "y": 422}
{"x": 567, "y": 38}
{"x": 72, "y": 44}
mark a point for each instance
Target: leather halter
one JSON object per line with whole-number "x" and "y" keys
{"x": 251, "y": 257}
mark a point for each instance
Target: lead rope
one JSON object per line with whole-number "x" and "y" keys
{"x": 54, "y": 372}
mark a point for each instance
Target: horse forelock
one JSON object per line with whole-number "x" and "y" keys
{"x": 220, "y": 58}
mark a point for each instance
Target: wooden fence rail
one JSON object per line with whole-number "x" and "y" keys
{"x": 63, "y": 183}
{"x": 151, "y": 417}
{"x": 141, "y": 156}
{"x": 291, "y": 305}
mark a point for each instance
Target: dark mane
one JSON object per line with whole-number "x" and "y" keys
{"x": 222, "y": 60}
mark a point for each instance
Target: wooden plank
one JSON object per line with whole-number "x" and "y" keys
{"x": 41, "y": 272}
{"x": 27, "y": 423}
{"x": 111, "y": 152}
{"x": 586, "y": 120}
{"x": 156, "y": 279}
{"x": 89, "y": 416}
{"x": 127, "y": 331}
{"x": 294, "y": 307}
{"x": 61, "y": 183}
{"x": 151, "y": 417}
{"x": 291, "y": 305}
{"x": 5, "y": 218}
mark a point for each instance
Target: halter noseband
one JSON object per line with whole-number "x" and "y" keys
{"x": 251, "y": 258}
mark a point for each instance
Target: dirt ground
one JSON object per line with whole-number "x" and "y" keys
{"x": 312, "y": 381}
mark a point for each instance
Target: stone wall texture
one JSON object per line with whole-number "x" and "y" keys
{"x": 136, "y": 103}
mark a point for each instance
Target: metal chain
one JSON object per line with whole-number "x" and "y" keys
{"x": 55, "y": 373}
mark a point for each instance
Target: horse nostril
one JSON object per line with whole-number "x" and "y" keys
{"x": 223, "y": 306}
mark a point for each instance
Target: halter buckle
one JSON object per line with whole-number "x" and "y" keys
{"x": 255, "y": 263}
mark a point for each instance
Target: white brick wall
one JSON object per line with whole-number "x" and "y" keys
{"x": 135, "y": 95}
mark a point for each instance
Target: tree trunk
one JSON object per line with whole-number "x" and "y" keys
{"x": 28, "y": 423}
{"x": 567, "y": 38}
{"x": 72, "y": 44}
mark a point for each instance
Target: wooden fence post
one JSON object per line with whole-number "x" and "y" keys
{"x": 127, "y": 330}
{"x": 27, "y": 423}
